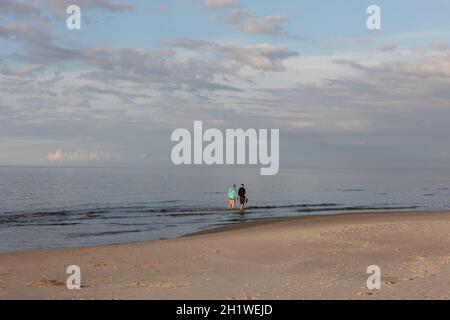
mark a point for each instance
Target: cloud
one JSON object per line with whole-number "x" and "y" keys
{"x": 265, "y": 25}
{"x": 389, "y": 47}
{"x": 20, "y": 71}
{"x": 38, "y": 8}
{"x": 434, "y": 46}
{"x": 114, "y": 63}
{"x": 439, "y": 46}
{"x": 382, "y": 98}
{"x": 247, "y": 21}
{"x": 59, "y": 7}
{"x": 114, "y": 95}
{"x": 18, "y": 9}
{"x": 264, "y": 56}
{"x": 351, "y": 63}
{"x": 162, "y": 69}
{"x": 351, "y": 125}
{"x": 220, "y": 3}
{"x": 41, "y": 47}
{"x": 303, "y": 124}
{"x": 24, "y": 32}
{"x": 80, "y": 156}
{"x": 434, "y": 66}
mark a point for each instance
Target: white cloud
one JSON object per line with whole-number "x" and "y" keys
{"x": 220, "y": 3}
{"x": 118, "y": 90}
{"x": 20, "y": 71}
{"x": 303, "y": 124}
{"x": 389, "y": 47}
{"x": 265, "y": 25}
{"x": 263, "y": 56}
{"x": 59, "y": 6}
{"x": 80, "y": 156}
{"x": 351, "y": 125}
{"x": 434, "y": 46}
{"x": 18, "y": 8}
{"x": 38, "y": 8}
{"x": 247, "y": 21}
{"x": 434, "y": 66}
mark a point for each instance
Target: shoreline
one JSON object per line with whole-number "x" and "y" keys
{"x": 307, "y": 257}
{"x": 230, "y": 227}
{"x": 260, "y": 222}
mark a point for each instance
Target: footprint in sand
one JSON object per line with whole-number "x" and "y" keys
{"x": 241, "y": 297}
{"x": 46, "y": 283}
{"x": 390, "y": 281}
{"x": 388, "y": 284}
{"x": 100, "y": 264}
{"x": 159, "y": 285}
{"x": 49, "y": 283}
{"x": 364, "y": 293}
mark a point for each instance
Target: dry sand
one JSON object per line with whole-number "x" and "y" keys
{"x": 321, "y": 257}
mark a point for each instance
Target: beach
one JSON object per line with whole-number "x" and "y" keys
{"x": 316, "y": 257}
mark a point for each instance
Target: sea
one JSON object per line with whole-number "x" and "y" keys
{"x": 56, "y": 207}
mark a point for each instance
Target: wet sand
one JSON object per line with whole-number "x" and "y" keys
{"x": 319, "y": 257}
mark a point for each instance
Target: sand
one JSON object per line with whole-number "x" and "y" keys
{"x": 320, "y": 257}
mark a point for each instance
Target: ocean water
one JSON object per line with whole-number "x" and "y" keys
{"x": 43, "y": 207}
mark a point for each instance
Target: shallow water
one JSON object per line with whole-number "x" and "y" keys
{"x": 63, "y": 207}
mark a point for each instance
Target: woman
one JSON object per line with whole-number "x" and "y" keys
{"x": 232, "y": 197}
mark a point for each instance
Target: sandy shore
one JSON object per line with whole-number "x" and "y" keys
{"x": 301, "y": 258}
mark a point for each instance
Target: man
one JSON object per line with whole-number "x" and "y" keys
{"x": 242, "y": 197}
{"x": 232, "y": 197}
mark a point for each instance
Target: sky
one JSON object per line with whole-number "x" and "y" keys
{"x": 112, "y": 92}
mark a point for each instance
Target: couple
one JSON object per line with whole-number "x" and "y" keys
{"x": 232, "y": 196}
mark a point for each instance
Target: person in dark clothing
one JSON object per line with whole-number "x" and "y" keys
{"x": 242, "y": 197}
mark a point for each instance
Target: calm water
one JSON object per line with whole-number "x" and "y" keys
{"x": 62, "y": 207}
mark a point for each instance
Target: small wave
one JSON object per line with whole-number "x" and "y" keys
{"x": 126, "y": 212}
{"x": 198, "y": 211}
{"x": 105, "y": 233}
{"x": 294, "y": 206}
{"x": 27, "y": 224}
{"x": 116, "y": 213}
{"x": 358, "y": 208}
{"x": 5, "y": 217}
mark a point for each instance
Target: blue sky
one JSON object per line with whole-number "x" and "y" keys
{"x": 152, "y": 22}
{"x": 113, "y": 91}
